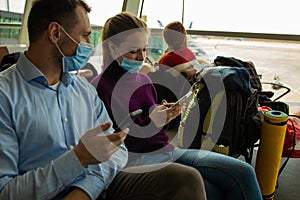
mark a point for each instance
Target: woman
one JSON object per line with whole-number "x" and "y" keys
{"x": 123, "y": 89}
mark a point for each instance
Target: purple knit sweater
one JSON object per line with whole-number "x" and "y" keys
{"x": 124, "y": 92}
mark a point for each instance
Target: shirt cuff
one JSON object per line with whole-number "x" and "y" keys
{"x": 91, "y": 185}
{"x": 68, "y": 167}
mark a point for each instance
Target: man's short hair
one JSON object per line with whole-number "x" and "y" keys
{"x": 43, "y": 12}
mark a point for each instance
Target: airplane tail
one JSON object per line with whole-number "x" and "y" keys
{"x": 160, "y": 23}
{"x": 191, "y": 24}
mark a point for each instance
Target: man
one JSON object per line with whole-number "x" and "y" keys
{"x": 56, "y": 138}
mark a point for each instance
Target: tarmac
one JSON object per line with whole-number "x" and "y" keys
{"x": 271, "y": 59}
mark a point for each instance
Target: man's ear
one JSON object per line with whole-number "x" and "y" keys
{"x": 54, "y": 32}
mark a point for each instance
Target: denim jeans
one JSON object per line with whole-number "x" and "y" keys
{"x": 224, "y": 177}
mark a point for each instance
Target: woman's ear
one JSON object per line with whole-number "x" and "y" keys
{"x": 113, "y": 50}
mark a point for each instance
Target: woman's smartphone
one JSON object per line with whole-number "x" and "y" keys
{"x": 150, "y": 61}
{"x": 182, "y": 99}
{"x": 128, "y": 120}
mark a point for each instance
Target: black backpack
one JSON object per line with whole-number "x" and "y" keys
{"x": 248, "y": 65}
{"x": 228, "y": 118}
{"x": 169, "y": 88}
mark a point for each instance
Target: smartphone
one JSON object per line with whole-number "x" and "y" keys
{"x": 128, "y": 120}
{"x": 150, "y": 61}
{"x": 182, "y": 99}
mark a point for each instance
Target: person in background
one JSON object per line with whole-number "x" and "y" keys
{"x": 178, "y": 55}
{"x": 124, "y": 89}
{"x": 56, "y": 137}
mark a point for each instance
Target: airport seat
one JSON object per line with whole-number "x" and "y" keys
{"x": 3, "y": 52}
{"x": 9, "y": 60}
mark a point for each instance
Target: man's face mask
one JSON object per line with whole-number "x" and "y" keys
{"x": 81, "y": 57}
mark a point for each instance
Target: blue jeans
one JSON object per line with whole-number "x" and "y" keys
{"x": 224, "y": 177}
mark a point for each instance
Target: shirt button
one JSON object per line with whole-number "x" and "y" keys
{"x": 66, "y": 119}
{"x": 71, "y": 147}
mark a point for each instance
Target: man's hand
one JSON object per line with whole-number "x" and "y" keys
{"x": 77, "y": 193}
{"x": 94, "y": 148}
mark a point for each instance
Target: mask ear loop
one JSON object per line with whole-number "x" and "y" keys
{"x": 69, "y": 36}
{"x": 59, "y": 50}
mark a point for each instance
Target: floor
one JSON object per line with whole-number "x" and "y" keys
{"x": 288, "y": 182}
{"x": 289, "y": 179}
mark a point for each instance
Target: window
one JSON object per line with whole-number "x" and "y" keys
{"x": 256, "y": 16}
{"x": 102, "y": 10}
{"x": 16, "y": 6}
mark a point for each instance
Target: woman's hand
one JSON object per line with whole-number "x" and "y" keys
{"x": 163, "y": 114}
{"x": 147, "y": 68}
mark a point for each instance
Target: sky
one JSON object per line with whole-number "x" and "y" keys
{"x": 262, "y": 16}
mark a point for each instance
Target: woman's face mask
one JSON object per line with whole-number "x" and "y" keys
{"x": 131, "y": 52}
{"x": 81, "y": 57}
{"x": 132, "y": 66}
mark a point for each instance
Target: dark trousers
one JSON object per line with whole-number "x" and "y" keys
{"x": 161, "y": 181}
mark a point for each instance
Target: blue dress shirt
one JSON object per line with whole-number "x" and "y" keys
{"x": 39, "y": 126}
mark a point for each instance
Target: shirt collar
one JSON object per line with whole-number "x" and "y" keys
{"x": 31, "y": 73}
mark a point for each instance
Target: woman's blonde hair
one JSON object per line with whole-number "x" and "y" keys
{"x": 120, "y": 23}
